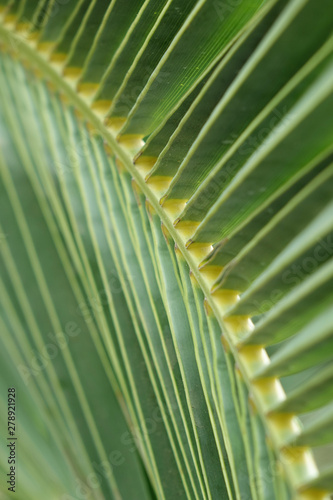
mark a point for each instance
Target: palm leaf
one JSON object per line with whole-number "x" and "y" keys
{"x": 166, "y": 248}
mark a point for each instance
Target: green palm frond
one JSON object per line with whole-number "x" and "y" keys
{"x": 166, "y": 249}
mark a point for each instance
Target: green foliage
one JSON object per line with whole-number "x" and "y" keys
{"x": 166, "y": 248}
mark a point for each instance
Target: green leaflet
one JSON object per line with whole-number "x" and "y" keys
{"x": 307, "y": 397}
{"x": 52, "y": 32}
{"x": 285, "y": 319}
{"x": 318, "y": 429}
{"x": 305, "y": 349}
{"x": 183, "y": 137}
{"x": 157, "y": 100}
{"x": 86, "y": 33}
{"x": 181, "y": 334}
{"x": 145, "y": 60}
{"x": 240, "y": 273}
{"x": 64, "y": 46}
{"x": 229, "y": 247}
{"x": 277, "y": 275}
{"x": 113, "y": 29}
{"x": 156, "y": 141}
{"x": 157, "y": 19}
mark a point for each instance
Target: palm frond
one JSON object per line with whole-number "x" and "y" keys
{"x": 166, "y": 248}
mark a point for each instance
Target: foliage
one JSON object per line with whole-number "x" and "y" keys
{"x": 166, "y": 248}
